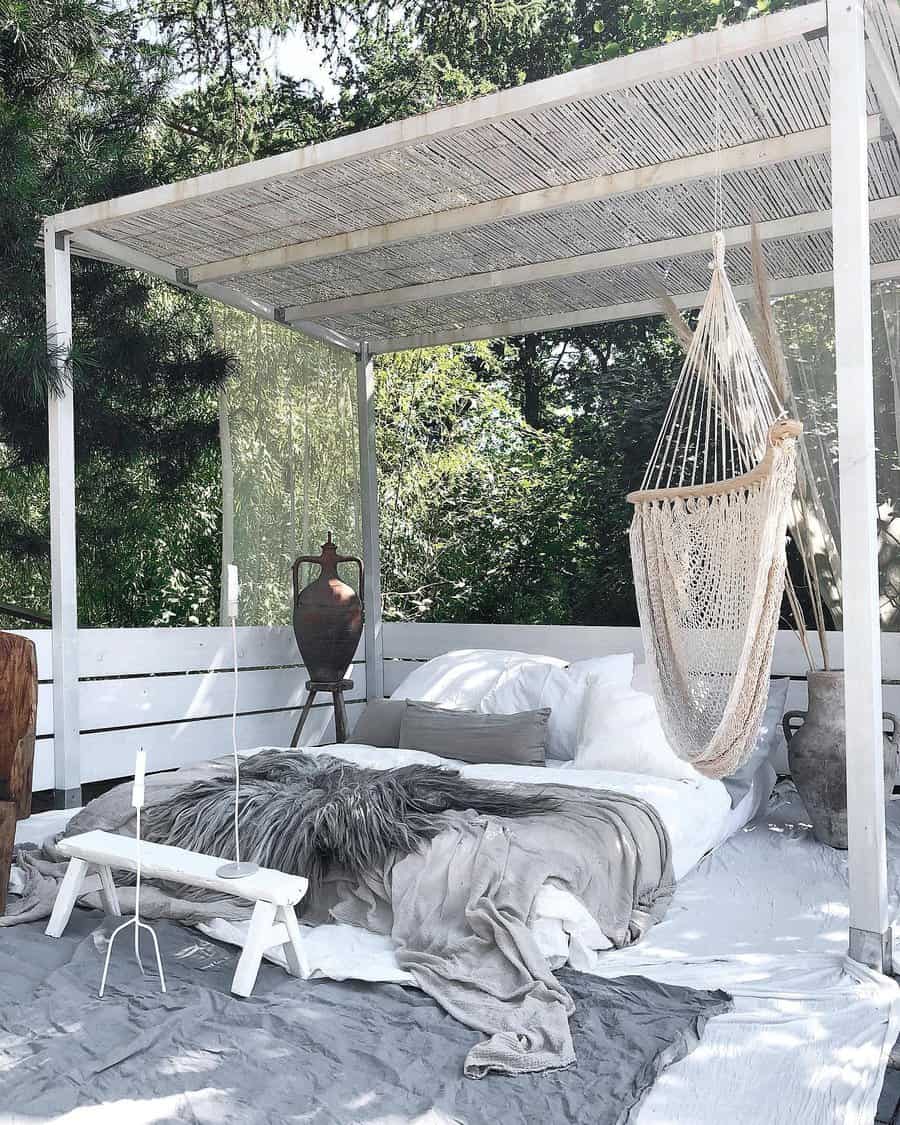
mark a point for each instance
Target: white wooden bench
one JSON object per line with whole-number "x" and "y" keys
{"x": 273, "y": 922}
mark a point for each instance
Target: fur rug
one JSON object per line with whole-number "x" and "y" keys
{"x": 306, "y": 815}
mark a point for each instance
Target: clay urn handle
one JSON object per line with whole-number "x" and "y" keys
{"x": 891, "y": 735}
{"x": 791, "y": 717}
{"x": 359, "y": 566}
{"x": 319, "y": 560}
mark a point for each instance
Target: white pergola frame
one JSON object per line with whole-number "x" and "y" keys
{"x": 853, "y": 128}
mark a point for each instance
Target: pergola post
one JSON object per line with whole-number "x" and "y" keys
{"x": 869, "y": 929}
{"x": 368, "y": 478}
{"x": 63, "y": 565}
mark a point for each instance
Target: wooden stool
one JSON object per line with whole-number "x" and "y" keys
{"x": 337, "y": 690}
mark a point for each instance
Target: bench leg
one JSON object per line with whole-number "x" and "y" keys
{"x": 258, "y": 941}
{"x": 298, "y": 966}
{"x": 108, "y": 895}
{"x": 68, "y": 892}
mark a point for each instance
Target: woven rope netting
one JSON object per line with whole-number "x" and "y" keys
{"x": 708, "y": 539}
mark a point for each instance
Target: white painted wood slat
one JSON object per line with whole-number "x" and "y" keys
{"x": 128, "y": 652}
{"x": 157, "y": 699}
{"x": 43, "y": 646}
{"x": 110, "y": 754}
{"x": 418, "y": 641}
{"x": 141, "y": 701}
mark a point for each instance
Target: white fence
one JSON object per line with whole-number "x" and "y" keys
{"x": 170, "y": 690}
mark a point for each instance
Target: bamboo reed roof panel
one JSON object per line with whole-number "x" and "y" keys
{"x": 769, "y": 94}
{"x": 791, "y": 257}
{"x": 779, "y": 191}
{"x": 441, "y": 201}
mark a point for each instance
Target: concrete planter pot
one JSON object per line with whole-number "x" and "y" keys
{"x": 817, "y": 756}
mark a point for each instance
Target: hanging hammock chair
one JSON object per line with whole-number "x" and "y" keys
{"x": 708, "y": 539}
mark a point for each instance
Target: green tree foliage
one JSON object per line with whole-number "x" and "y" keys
{"x": 80, "y": 92}
{"x": 488, "y": 517}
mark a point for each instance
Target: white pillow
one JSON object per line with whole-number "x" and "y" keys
{"x": 462, "y": 679}
{"x": 620, "y": 730}
{"x": 529, "y": 686}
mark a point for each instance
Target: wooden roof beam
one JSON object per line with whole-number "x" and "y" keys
{"x": 883, "y": 75}
{"x": 86, "y": 244}
{"x": 582, "y": 318}
{"x": 754, "y": 154}
{"x": 638, "y": 254}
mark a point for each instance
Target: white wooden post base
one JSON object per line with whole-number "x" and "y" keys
{"x": 273, "y": 922}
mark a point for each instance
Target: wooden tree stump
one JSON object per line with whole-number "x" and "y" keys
{"x": 18, "y": 712}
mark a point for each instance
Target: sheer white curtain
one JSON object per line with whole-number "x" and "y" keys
{"x": 290, "y": 457}
{"x": 806, "y": 324}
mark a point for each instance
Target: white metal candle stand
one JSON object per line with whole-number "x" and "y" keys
{"x": 137, "y": 800}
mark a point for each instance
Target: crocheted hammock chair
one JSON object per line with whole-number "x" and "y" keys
{"x": 708, "y": 539}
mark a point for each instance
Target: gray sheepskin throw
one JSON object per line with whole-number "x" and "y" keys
{"x": 305, "y": 815}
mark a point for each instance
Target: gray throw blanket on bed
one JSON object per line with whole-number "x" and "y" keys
{"x": 458, "y": 907}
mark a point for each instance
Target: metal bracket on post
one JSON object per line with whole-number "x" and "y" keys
{"x": 368, "y": 475}
{"x": 869, "y": 948}
{"x": 63, "y": 569}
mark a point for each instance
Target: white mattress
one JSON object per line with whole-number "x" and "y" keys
{"x": 697, "y": 814}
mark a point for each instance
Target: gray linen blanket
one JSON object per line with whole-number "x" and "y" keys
{"x": 299, "y": 1051}
{"x": 458, "y": 910}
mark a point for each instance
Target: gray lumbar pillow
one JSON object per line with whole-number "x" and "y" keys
{"x": 470, "y": 736}
{"x": 379, "y": 724}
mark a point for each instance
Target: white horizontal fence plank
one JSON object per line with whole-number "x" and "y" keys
{"x": 130, "y": 675}
{"x": 160, "y": 699}
{"x": 420, "y": 641}
{"x": 42, "y": 775}
{"x": 395, "y": 672}
{"x": 110, "y": 754}
{"x": 149, "y": 651}
{"x": 128, "y": 652}
{"x": 790, "y": 661}
{"x": 44, "y": 724}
